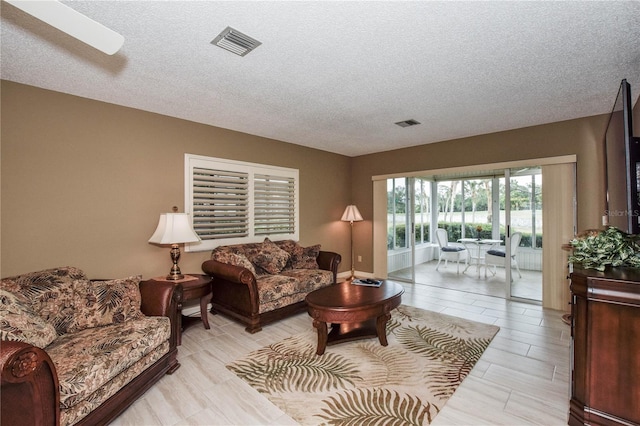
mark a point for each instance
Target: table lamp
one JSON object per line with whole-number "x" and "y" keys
{"x": 174, "y": 229}
{"x": 351, "y": 214}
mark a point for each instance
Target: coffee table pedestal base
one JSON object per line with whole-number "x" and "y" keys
{"x": 351, "y": 331}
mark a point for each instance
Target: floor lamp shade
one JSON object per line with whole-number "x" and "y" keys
{"x": 174, "y": 229}
{"x": 351, "y": 214}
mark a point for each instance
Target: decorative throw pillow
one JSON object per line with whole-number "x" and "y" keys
{"x": 233, "y": 259}
{"x": 19, "y": 322}
{"x": 270, "y": 257}
{"x": 50, "y": 293}
{"x": 293, "y": 248}
{"x": 308, "y": 259}
{"x": 107, "y": 302}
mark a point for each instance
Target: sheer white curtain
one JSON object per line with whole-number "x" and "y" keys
{"x": 380, "y": 228}
{"x": 558, "y": 228}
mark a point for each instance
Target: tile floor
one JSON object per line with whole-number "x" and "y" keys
{"x": 528, "y": 286}
{"x": 521, "y": 379}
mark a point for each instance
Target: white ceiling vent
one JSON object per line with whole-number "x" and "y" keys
{"x": 236, "y": 42}
{"x": 407, "y": 123}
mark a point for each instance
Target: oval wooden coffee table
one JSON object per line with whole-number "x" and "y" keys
{"x": 355, "y": 311}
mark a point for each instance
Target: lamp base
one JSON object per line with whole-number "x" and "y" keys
{"x": 175, "y": 277}
{"x": 175, "y": 274}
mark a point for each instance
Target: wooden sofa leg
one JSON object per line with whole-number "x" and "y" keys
{"x": 173, "y": 362}
{"x": 173, "y": 368}
{"x": 253, "y": 328}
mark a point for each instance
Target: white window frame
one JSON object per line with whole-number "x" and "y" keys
{"x": 255, "y": 173}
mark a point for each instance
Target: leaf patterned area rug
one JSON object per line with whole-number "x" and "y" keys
{"x": 361, "y": 382}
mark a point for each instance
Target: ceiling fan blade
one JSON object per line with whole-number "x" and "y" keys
{"x": 73, "y": 23}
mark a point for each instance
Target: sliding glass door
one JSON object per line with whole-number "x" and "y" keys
{"x": 409, "y": 218}
{"x": 400, "y": 247}
{"x": 497, "y": 205}
{"x": 490, "y": 203}
{"x": 523, "y": 239}
{"x": 521, "y": 232}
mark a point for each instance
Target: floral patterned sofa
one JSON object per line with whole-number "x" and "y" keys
{"x": 258, "y": 283}
{"x": 76, "y": 351}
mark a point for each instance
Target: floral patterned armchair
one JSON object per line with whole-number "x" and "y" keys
{"x": 76, "y": 351}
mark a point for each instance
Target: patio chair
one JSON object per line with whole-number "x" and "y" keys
{"x": 497, "y": 257}
{"x": 447, "y": 252}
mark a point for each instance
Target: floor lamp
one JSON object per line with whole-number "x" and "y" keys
{"x": 351, "y": 214}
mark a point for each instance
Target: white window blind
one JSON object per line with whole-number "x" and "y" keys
{"x": 232, "y": 202}
{"x": 274, "y": 204}
{"x": 220, "y": 203}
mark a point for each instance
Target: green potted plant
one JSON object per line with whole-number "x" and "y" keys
{"x": 596, "y": 249}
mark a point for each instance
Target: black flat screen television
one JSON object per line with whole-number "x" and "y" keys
{"x": 622, "y": 165}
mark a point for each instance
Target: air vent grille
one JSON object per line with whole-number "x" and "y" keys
{"x": 407, "y": 123}
{"x": 236, "y": 42}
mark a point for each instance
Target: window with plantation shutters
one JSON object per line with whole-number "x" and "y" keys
{"x": 232, "y": 202}
{"x": 220, "y": 207}
{"x": 274, "y": 204}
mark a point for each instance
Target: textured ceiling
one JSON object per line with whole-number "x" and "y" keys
{"x": 337, "y": 75}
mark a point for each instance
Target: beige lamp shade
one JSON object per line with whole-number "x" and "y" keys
{"x": 351, "y": 214}
{"x": 174, "y": 228}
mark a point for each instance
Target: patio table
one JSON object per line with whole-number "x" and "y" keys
{"x": 475, "y": 247}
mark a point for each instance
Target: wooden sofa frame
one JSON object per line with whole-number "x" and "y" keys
{"x": 29, "y": 386}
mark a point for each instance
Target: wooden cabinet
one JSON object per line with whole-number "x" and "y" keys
{"x": 605, "y": 311}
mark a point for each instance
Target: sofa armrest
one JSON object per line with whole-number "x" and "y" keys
{"x": 234, "y": 274}
{"x": 163, "y": 298}
{"x": 29, "y": 386}
{"x": 329, "y": 261}
{"x": 229, "y": 272}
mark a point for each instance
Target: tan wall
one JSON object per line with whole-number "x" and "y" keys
{"x": 582, "y": 137}
{"x": 84, "y": 182}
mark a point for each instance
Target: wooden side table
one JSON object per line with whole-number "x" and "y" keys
{"x": 198, "y": 288}
{"x": 194, "y": 286}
